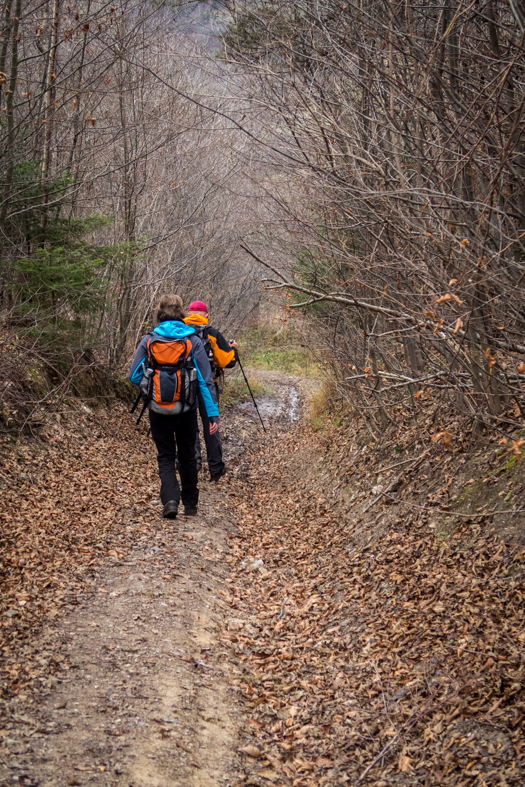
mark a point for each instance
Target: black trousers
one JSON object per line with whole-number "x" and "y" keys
{"x": 165, "y": 430}
{"x": 213, "y": 442}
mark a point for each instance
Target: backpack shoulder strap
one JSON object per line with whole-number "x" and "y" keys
{"x": 202, "y": 332}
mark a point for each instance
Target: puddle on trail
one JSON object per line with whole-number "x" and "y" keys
{"x": 278, "y": 406}
{"x": 294, "y": 404}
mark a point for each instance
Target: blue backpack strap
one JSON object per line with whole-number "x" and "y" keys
{"x": 183, "y": 377}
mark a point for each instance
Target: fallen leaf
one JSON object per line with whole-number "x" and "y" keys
{"x": 404, "y": 763}
{"x": 517, "y": 445}
{"x": 265, "y": 773}
{"x": 323, "y": 762}
{"x": 251, "y": 751}
{"x": 446, "y": 436}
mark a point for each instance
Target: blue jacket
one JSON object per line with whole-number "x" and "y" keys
{"x": 174, "y": 329}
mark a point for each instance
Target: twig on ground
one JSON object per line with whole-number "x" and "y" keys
{"x": 410, "y": 722}
{"x": 396, "y": 480}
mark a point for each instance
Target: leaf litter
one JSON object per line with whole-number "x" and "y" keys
{"x": 72, "y": 498}
{"x": 376, "y": 648}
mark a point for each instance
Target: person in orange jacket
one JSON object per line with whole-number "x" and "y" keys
{"x": 222, "y": 355}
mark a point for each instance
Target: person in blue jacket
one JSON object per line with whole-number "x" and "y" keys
{"x": 166, "y": 429}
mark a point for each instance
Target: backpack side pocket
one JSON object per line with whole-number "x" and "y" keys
{"x": 191, "y": 379}
{"x": 146, "y": 384}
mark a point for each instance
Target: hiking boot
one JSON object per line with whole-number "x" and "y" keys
{"x": 217, "y": 476}
{"x": 190, "y": 511}
{"x": 170, "y": 509}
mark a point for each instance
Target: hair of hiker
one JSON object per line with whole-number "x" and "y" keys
{"x": 170, "y": 308}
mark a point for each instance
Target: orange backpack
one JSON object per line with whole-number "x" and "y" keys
{"x": 169, "y": 382}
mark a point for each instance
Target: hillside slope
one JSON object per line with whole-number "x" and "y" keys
{"x": 382, "y": 637}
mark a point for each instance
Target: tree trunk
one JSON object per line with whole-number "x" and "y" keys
{"x": 49, "y": 110}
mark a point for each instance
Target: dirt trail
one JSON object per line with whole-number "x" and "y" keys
{"x": 142, "y": 698}
{"x": 143, "y": 693}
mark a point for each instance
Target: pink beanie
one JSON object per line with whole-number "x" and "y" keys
{"x": 198, "y": 306}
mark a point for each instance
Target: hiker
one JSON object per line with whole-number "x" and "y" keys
{"x": 170, "y": 366}
{"x": 222, "y": 355}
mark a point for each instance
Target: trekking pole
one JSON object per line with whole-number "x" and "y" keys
{"x": 251, "y": 392}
